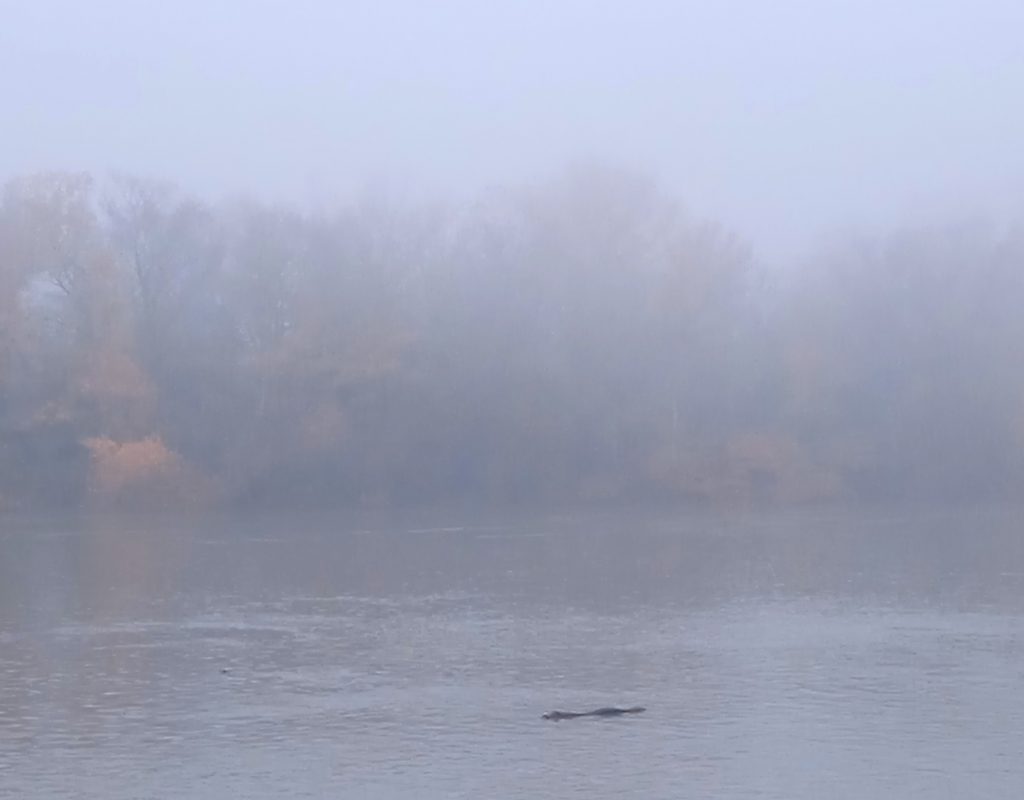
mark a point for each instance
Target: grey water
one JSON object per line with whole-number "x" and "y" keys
{"x": 836, "y": 653}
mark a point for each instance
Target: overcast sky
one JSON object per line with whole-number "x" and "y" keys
{"x": 781, "y": 119}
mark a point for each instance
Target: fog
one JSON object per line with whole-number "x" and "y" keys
{"x": 520, "y": 400}
{"x": 785, "y": 121}
{"x": 579, "y": 340}
{"x": 390, "y": 254}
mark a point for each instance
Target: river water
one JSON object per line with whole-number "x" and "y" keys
{"x": 788, "y": 655}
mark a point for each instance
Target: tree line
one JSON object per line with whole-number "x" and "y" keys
{"x": 582, "y": 340}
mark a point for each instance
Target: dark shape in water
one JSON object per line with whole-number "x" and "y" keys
{"x": 609, "y": 711}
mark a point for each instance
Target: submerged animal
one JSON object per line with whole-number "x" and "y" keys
{"x": 608, "y": 711}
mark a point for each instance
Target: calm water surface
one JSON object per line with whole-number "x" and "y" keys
{"x": 808, "y": 655}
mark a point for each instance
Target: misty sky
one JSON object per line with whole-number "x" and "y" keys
{"x": 781, "y": 119}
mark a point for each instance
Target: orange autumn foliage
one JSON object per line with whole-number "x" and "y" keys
{"x": 143, "y": 472}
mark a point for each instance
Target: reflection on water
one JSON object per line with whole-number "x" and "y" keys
{"x": 784, "y": 656}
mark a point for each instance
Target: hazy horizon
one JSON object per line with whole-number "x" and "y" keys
{"x": 784, "y": 122}
{"x": 580, "y": 332}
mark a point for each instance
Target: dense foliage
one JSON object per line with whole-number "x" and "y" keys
{"x": 579, "y": 341}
